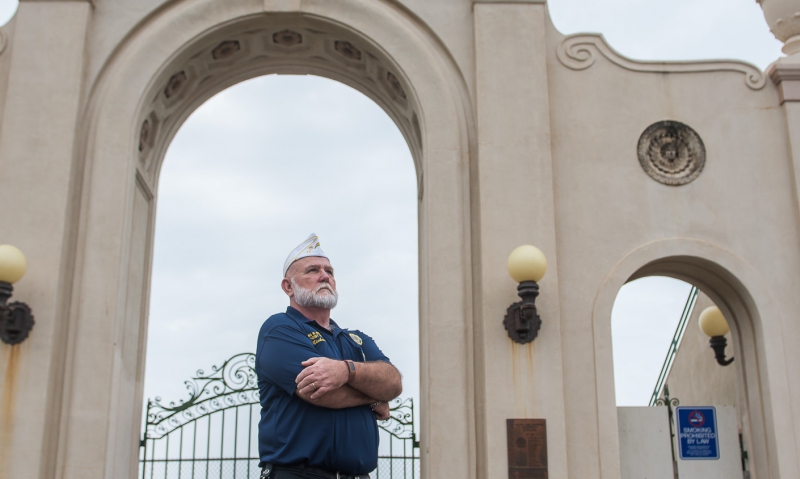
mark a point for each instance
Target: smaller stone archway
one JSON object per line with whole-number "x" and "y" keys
{"x": 174, "y": 61}
{"x": 739, "y": 292}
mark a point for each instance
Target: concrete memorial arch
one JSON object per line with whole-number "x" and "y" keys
{"x": 142, "y": 99}
{"x": 614, "y": 168}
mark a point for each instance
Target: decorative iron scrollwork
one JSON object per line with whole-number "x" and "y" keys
{"x": 235, "y": 384}
{"x": 672, "y": 402}
{"x": 401, "y": 419}
{"x": 230, "y": 385}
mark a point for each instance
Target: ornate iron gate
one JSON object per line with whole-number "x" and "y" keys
{"x": 211, "y": 435}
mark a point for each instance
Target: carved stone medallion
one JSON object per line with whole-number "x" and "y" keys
{"x": 671, "y": 153}
{"x": 226, "y": 49}
{"x": 174, "y": 84}
{"x": 397, "y": 88}
{"x": 287, "y": 38}
{"x": 144, "y": 135}
{"x": 347, "y": 50}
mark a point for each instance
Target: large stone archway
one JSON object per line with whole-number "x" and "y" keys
{"x": 520, "y": 135}
{"x": 738, "y": 290}
{"x": 179, "y": 57}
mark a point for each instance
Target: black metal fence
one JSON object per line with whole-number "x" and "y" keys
{"x": 212, "y": 434}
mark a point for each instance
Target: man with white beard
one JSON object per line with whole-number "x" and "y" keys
{"x": 322, "y": 387}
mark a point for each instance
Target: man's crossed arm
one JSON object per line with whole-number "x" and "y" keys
{"x": 324, "y": 382}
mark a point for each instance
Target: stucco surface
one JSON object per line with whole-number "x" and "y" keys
{"x": 695, "y": 377}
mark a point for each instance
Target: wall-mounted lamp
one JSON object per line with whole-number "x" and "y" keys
{"x": 713, "y": 324}
{"x": 527, "y": 266}
{"x": 16, "y": 320}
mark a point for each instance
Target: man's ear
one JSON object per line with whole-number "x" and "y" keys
{"x": 286, "y": 286}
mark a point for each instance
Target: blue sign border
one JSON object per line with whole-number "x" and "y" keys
{"x": 709, "y": 412}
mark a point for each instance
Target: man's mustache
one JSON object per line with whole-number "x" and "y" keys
{"x": 324, "y": 286}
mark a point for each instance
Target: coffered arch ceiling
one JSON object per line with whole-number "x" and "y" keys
{"x": 266, "y": 44}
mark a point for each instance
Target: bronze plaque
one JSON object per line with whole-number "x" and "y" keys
{"x": 527, "y": 448}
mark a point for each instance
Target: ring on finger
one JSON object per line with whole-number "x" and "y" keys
{"x": 315, "y": 386}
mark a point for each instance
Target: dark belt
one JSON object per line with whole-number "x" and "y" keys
{"x": 315, "y": 471}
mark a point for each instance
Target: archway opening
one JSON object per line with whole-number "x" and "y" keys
{"x": 249, "y": 175}
{"x": 646, "y": 315}
{"x": 665, "y": 372}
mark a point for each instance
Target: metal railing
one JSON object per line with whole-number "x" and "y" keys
{"x": 674, "y": 345}
{"x": 210, "y": 435}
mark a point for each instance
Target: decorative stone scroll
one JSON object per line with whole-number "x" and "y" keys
{"x": 671, "y": 153}
{"x": 579, "y": 52}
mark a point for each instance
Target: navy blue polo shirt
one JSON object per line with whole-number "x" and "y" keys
{"x": 292, "y": 430}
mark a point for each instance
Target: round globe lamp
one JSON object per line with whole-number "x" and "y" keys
{"x": 16, "y": 320}
{"x": 12, "y": 264}
{"x": 526, "y": 265}
{"x": 713, "y": 324}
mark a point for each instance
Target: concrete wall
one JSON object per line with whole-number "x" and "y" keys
{"x": 644, "y": 443}
{"x": 520, "y": 135}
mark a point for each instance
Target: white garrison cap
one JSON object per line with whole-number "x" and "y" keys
{"x": 309, "y": 247}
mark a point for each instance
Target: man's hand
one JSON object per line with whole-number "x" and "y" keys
{"x": 381, "y": 411}
{"x": 321, "y": 375}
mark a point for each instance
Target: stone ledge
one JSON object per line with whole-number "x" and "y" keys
{"x": 786, "y": 77}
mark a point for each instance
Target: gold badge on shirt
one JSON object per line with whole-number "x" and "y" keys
{"x": 357, "y": 339}
{"x": 315, "y": 338}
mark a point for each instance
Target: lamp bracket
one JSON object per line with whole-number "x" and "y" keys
{"x": 718, "y": 344}
{"x": 16, "y": 320}
{"x": 522, "y": 321}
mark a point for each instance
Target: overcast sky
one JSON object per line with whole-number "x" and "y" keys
{"x": 261, "y": 165}
{"x": 248, "y": 177}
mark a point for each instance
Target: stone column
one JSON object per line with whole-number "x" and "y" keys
{"x": 516, "y": 206}
{"x": 783, "y": 18}
{"x": 45, "y": 56}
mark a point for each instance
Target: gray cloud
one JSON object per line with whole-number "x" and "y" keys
{"x": 643, "y": 322}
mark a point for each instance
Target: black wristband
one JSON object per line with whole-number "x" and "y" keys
{"x": 351, "y": 370}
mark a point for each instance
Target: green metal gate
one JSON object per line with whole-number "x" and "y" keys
{"x": 212, "y": 434}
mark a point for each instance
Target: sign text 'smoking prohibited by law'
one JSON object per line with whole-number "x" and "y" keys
{"x": 697, "y": 433}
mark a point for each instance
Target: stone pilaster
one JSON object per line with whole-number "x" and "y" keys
{"x": 37, "y": 148}
{"x": 516, "y": 205}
